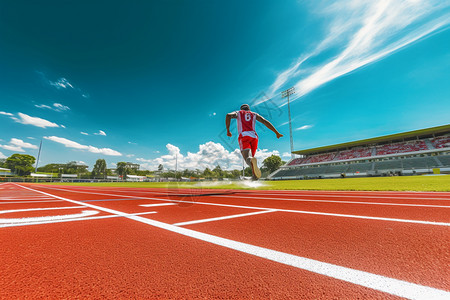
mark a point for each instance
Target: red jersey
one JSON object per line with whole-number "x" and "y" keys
{"x": 246, "y": 123}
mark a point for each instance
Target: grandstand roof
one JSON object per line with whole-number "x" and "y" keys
{"x": 381, "y": 139}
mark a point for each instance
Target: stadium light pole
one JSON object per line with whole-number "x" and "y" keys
{"x": 285, "y": 94}
{"x": 37, "y": 161}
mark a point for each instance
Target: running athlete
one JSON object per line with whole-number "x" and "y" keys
{"x": 248, "y": 139}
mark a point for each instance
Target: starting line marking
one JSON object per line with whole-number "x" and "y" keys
{"x": 381, "y": 283}
{"x": 223, "y": 218}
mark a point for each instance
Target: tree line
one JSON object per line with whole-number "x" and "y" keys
{"x": 22, "y": 165}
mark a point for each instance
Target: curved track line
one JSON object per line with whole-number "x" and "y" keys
{"x": 381, "y": 283}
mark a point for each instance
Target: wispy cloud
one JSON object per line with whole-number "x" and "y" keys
{"x": 35, "y": 121}
{"x": 360, "y": 32}
{"x": 84, "y": 133}
{"x": 304, "y": 127}
{"x": 6, "y": 114}
{"x": 55, "y": 107}
{"x": 2, "y": 155}
{"x": 72, "y": 144}
{"x": 62, "y": 84}
{"x": 100, "y": 132}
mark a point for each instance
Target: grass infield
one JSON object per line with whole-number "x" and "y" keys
{"x": 402, "y": 183}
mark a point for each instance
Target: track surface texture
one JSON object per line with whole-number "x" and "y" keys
{"x": 121, "y": 243}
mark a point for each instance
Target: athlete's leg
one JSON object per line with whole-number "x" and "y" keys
{"x": 247, "y": 156}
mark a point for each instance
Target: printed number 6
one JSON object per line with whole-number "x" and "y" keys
{"x": 248, "y": 117}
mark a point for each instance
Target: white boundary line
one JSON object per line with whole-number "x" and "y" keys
{"x": 157, "y": 204}
{"x": 36, "y": 209}
{"x": 71, "y": 220}
{"x": 333, "y": 201}
{"x": 381, "y": 283}
{"x": 268, "y": 208}
{"x": 19, "y": 202}
{"x": 223, "y": 218}
{"x": 293, "y": 194}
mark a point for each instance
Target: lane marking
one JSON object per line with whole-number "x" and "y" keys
{"x": 18, "y": 202}
{"x": 37, "y": 209}
{"x": 223, "y": 218}
{"x": 378, "y": 282}
{"x": 278, "y": 209}
{"x": 71, "y": 220}
{"x": 393, "y": 196}
{"x": 157, "y": 204}
{"x": 84, "y": 213}
{"x": 334, "y": 201}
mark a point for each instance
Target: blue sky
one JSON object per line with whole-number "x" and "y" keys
{"x": 149, "y": 81}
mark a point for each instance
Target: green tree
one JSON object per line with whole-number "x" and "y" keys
{"x": 21, "y": 164}
{"x": 99, "y": 169}
{"x": 122, "y": 169}
{"x": 218, "y": 172}
{"x": 272, "y": 163}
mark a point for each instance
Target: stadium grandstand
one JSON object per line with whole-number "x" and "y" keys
{"x": 424, "y": 151}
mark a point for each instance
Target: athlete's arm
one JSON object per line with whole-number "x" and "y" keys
{"x": 232, "y": 115}
{"x": 268, "y": 125}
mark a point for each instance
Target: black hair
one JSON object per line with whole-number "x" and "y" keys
{"x": 245, "y": 107}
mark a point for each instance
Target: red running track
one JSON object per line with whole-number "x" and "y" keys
{"x": 91, "y": 242}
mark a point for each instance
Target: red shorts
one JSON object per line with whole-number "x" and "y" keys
{"x": 248, "y": 142}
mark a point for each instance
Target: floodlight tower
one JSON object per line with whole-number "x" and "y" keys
{"x": 285, "y": 94}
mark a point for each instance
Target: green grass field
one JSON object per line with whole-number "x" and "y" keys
{"x": 404, "y": 183}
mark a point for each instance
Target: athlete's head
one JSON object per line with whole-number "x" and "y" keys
{"x": 245, "y": 107}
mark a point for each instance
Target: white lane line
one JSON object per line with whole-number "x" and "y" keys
{"x": 333, "y": 201}
{"x": 290, "y": 195}
{"x": 277, "y": 209}
{"x": 37, "y": 209}
{"x": 157, "y": 204}
{"x": 71, "y": 220}
{"x": 223, "y": 218}
{"x": 84, "y": 213}
{"x": 18, "y": 202}
{"x": 381, "y": 283}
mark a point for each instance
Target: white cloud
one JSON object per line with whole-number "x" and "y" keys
{"x": 60, "y": 107}
{"x": 286, "y": 154}
{"x": 31, "y": 138}
{"x": 22, "y": 144}
{"x": 56, "y": 107}
{"x": 75, "y": 145}
{"x": 42, "y": 106}
{"x": 6, "y": 114}
{"x": 100, "y": 132}
{"x": 130, "y": 155}
{"x": 17, "y": 145}
{"x": 61, "y": 83}
{"x": 209, "y": 155}
{"x": 2, "y": 155}
{"x": 35, "y": 121}
{"x": 12, "y": 148}
{"x": 304, "y": 127}
{"x": 84, "y": 133}
{"x": 361, "y": 32}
